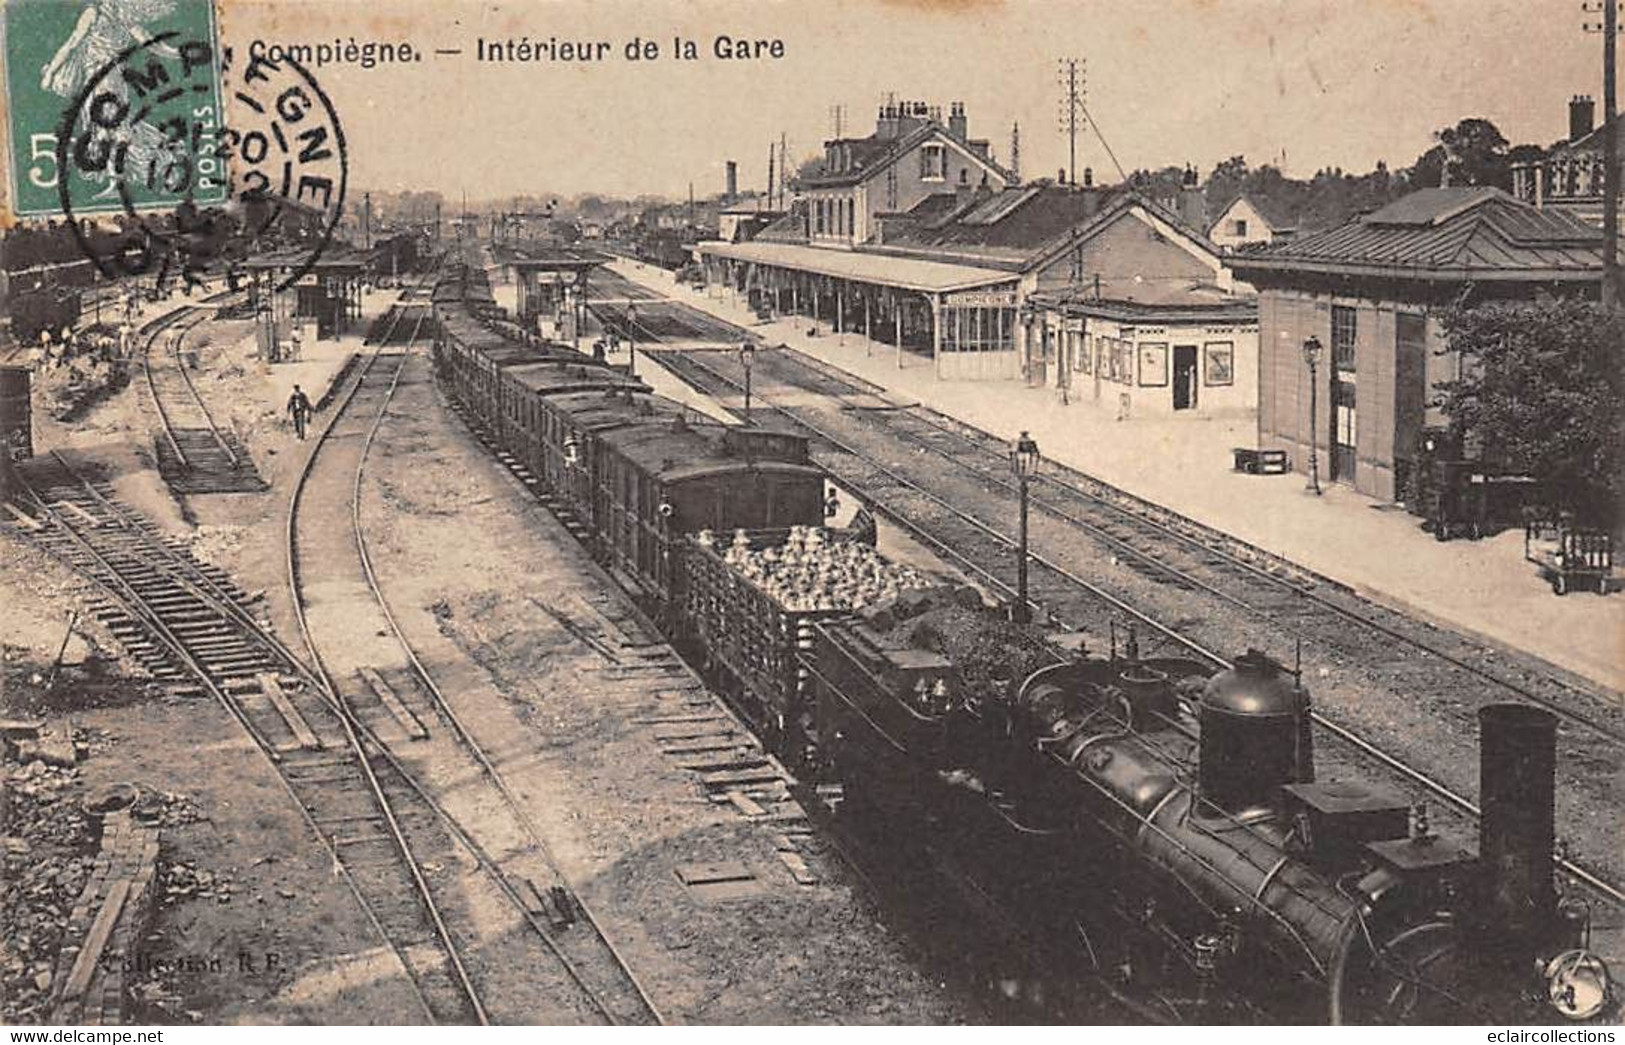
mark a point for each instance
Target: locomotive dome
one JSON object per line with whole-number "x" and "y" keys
{"x": 1255, "y": 686}
{"x": 1254, "y": 734}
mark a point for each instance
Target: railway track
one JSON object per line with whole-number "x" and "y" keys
{"x": 195, "y": 456}
{"x": 397, "y": 846}
{"x": 1069, "y": 600}
{"x": 157, "y": 596}
{"x": 366, "y": 662}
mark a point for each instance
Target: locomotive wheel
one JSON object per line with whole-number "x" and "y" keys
{"x": 1412, "y": 980}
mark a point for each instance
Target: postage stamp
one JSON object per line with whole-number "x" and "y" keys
{"x": 114, "y": 105}
{"x": 119, "y": 108}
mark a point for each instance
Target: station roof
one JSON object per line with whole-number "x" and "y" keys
{"x": 337, "y": 257}
{"x": 1455, "y": 234}
{"x": 1192, "y": 304}
{"x": 544, "y": 258}
{"x": 861, "y": 267}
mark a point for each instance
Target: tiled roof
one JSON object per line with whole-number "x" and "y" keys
{"x": 1451, "y": 233}
{"x": 1015, "y": 226}
{"x": 1018, "y": 228}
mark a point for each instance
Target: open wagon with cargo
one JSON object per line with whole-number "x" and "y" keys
{"x": 749, "y": 601}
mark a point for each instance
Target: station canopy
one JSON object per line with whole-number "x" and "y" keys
{"x": 930, "y": 277}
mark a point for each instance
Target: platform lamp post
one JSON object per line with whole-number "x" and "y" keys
{"x": 747, "y": 356}
{"x": 1311, "y": 358}
{"x": 1024, "y": 460}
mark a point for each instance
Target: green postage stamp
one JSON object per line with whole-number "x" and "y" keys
{"x": 113, "y": 105}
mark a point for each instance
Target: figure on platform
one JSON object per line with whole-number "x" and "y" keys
{"x": 299, "y": 409}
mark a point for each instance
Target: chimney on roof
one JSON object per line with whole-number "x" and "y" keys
{"x": 731, "y": 182}
{"x": 1582, "y": 116}
{"x": 886, "y": 122}
{"x": 956, "y": 120}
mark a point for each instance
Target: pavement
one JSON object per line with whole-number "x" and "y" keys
{"x": 1184, "y": 464}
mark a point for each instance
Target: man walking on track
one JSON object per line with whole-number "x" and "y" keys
{"x": 300, "y": 410}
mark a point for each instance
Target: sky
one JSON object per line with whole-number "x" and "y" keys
{"x": 1302, "y": 83}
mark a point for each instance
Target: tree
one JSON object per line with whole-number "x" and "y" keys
{"x": 1225, "y": 182}
{"x": 1539, "y": 393}
{"x": 1473, "y": 152}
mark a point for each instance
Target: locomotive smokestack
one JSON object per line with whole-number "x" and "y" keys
{"x": 1517, "y": 828}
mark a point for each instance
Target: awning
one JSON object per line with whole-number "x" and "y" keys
{"x": 929, "y": 277}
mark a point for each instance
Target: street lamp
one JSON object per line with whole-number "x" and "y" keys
{"x": 1024, "y": 462}
{"x": 747, "y": 356}
{"x": 1311, "y": 358}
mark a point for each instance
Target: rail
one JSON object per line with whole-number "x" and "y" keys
{"x": 487, "y": 767}
{"x": 351, "y": 725}
{"x": 467, "y": 739}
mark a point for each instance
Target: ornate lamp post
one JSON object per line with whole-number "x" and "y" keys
{"x": 1311, "y": 358}
{"x": 747, "y": 356}
{"x": 1024, "y": 460}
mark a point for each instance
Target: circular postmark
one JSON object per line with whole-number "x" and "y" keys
{"x": 147, "y": 139}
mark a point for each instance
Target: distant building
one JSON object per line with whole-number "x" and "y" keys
{"x": 1248, "y": 220}
{"x": 911, "y": 155}
{"x": 1369, "y": 291}
{"x": 1570, "y": 176}
{"x": 744, "y": 219}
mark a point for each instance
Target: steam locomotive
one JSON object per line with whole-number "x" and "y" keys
{"x": 1164, "y": 820}
{"x": 1169, "y": 819}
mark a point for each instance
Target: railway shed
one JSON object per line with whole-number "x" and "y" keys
{"x": 552, "y": 282}
{"x": 1370, "y": 291}
{"x": 326, "y": 290}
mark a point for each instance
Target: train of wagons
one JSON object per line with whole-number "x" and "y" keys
{"x": 1161, "y": 821}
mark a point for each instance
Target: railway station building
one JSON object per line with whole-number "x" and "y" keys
{"x": 956, "y": 276}
{"x": 1370, "y": 291}
{"x": 1160, "y": 352}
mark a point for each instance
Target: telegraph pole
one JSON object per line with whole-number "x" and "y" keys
{"x": 1610, "y": 149}
{"x": 1070, "y": 74}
